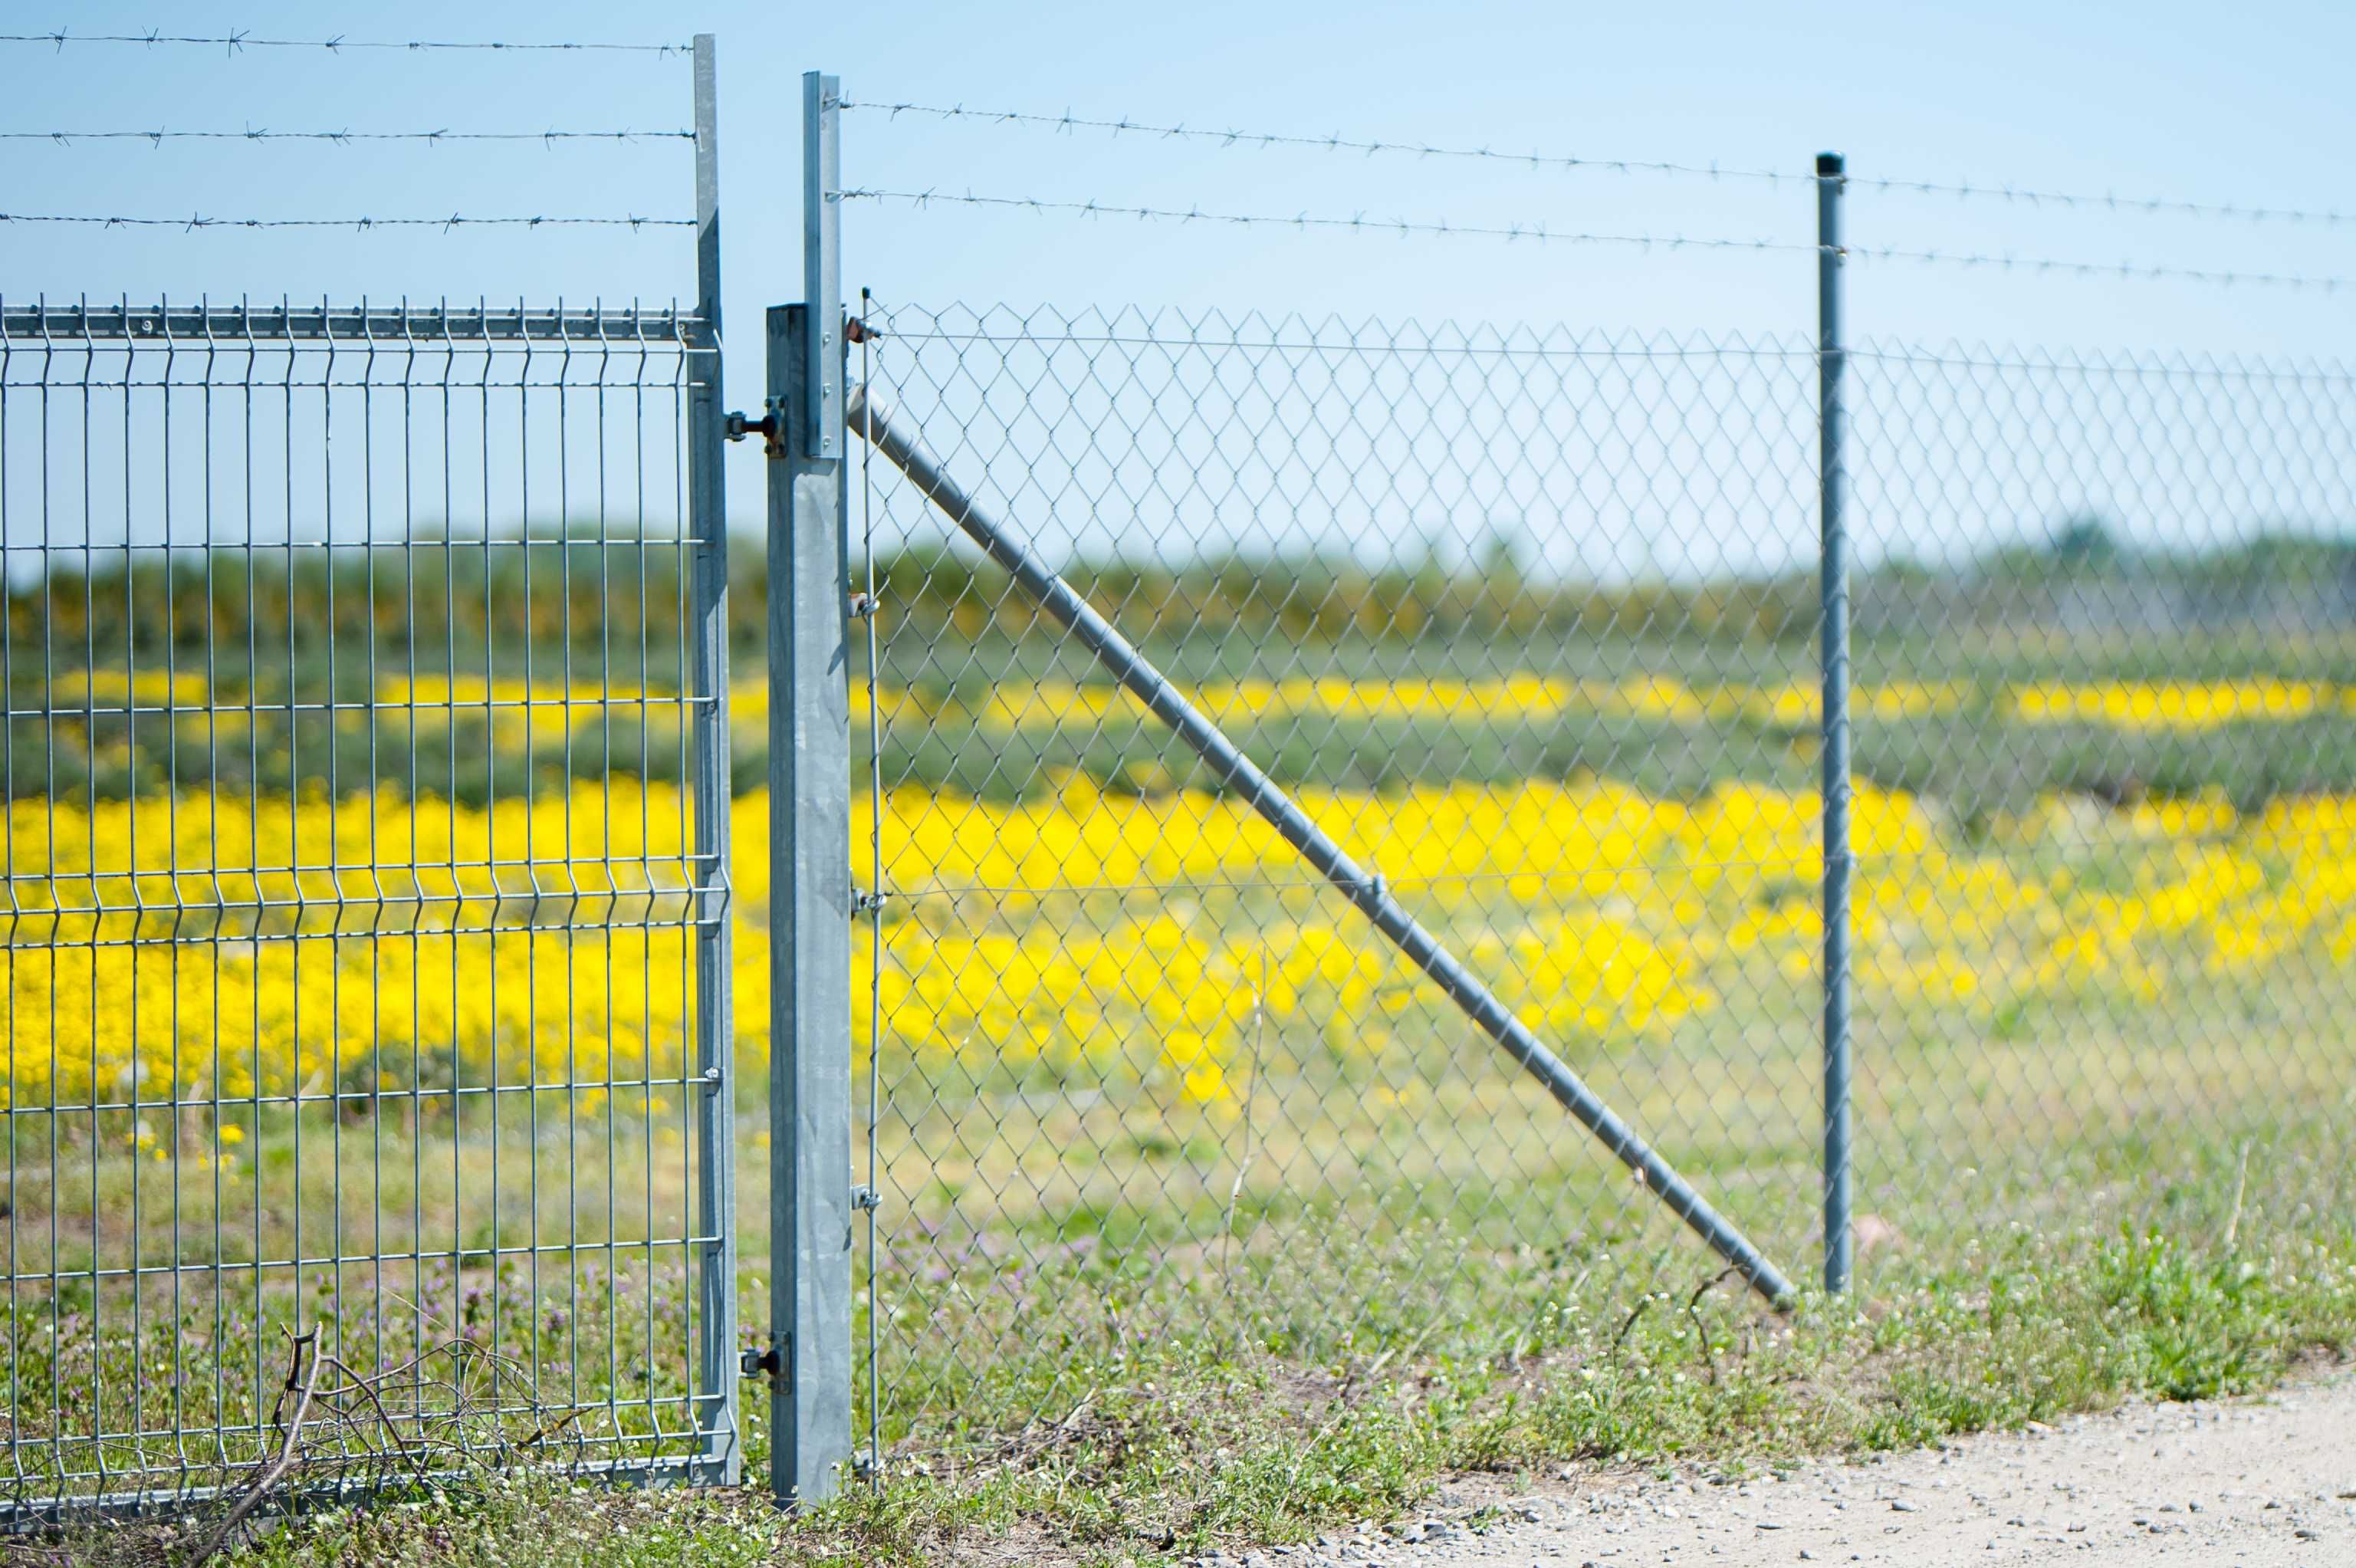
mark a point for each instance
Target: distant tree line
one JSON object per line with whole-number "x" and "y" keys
{"x": 456, "y": 605}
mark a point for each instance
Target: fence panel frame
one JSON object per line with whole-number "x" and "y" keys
{"x": 715, "y": 1014}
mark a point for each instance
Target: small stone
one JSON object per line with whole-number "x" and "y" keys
{"x": 1899, "y": 1504}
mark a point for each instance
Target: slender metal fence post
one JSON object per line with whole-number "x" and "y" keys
{"x": 809, "y": 846}
{"x": 715, "y": 1031}
{"x": 1830, "y": 178}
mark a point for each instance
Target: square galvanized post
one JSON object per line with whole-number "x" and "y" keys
{"x": 809, "y": 845}
{"x": 721, "y": 1456}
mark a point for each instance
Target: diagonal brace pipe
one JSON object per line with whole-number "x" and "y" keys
{"x": 1239, "y": 772}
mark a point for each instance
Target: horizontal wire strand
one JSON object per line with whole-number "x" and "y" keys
{"x": 1336, "y": 143}
{"x": 2109, "y": 202}
{"x": 237, "y": 39}
{"x": 1372, "y": 147}
{"x": 1539, "y": 233}
{"x": 455, "y": 221}
{"x": 2129, "y": 271}
{"x": 159, "y": 136}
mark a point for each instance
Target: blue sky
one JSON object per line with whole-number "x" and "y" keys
{"x": 2152, "y": 100}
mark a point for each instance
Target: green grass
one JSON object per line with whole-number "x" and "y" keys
{"x": 1170, "y": 1445}
{"x": 1160, "y": 1392}
{"x": 1113, "y": 1327}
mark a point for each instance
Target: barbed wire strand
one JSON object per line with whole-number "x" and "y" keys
{"x": 1536, "y": 233}
{"x": 2131, "y": 271}
{"x": 2322, "y": 217}
{"x": 455, "y": 221}
{"x": 1334, "y": 142}
{"x": 159, "y": 136}
{"x": 1370, "y": 147}
{"x": 1541, "y": 233}
{"x": 237, "y": 39}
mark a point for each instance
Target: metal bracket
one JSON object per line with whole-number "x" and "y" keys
{"x": 865, "y": 1198}
{"x": 861, "y": 605}
{"x": 769, "y": 427}
{"x": 775, "y": 1359}
{"x": 865, "y": 903}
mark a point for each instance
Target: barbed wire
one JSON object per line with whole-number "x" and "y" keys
{"x": 455, "y": 221}
{"x": 1371, "y": 146}
{"x": 239, "y": 38}
{"x": 1334, "y": 142}
{"x": 159, "y": 136}
{"x": 2138, "y": 272}
{"x": 2326, "y": 218}
{"x": 1536, "y": 233}
{"x": 1541, "y": 233}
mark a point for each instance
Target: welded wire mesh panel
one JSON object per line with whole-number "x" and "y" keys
{"x": 353, "y": 893}
{"x": 1526, "y": 619}
{"x": 2104, "y": 971}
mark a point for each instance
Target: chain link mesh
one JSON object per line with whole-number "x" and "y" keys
{"x": 1516, "y": 616}
{"x": 2101, "y": 976}
{"x": 1527, "y": 620}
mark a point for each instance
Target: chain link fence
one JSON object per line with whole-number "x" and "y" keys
{"x": 1528, "y": 620}
{"x": 1387, "y": 883}
{"x": 1512, "y": 614}
{"x": 2112, "y": 602}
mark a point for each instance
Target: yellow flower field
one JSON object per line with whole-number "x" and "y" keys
{"x": 151, "y": 950}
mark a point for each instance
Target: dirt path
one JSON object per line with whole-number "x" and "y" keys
{"x": 2244, "y": 1483}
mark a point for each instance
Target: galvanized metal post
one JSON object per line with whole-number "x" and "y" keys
{"x": 1832, "y": 493}
{"x": 715, "y": 1193}
{"x": 809, "y": 847}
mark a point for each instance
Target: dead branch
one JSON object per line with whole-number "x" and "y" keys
{"x": 289, "y": 1449}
